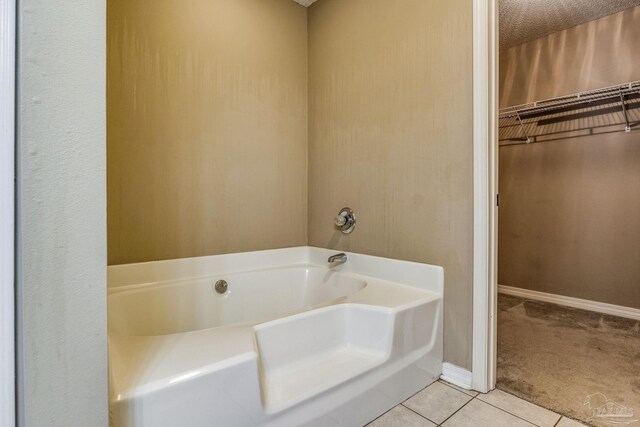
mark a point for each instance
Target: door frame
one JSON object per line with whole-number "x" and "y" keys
{"x": 7, "y": 209}
{"x": 485, "y": 190}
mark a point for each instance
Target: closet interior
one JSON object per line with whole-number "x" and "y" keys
{"x": 569, "y": 208}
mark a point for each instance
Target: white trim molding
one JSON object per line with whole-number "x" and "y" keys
{"x": 598, "y": 307}
{"x": 485, "y": 113}
{"x": 7, "y": 197}
{"x": 456, "y": 375}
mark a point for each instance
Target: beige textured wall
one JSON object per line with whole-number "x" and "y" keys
{"x": 207, "y": 132}
{"x": 570, "y": 209}
{"x": 391, "y": 136}
{"x": 207, "y": 127}
{"x": 589, "y": 56}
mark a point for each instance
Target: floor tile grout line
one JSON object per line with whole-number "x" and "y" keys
{"x": 517, "y": 416}
{"x": 472, "y": 397}
{"x": 501, "y": 409}
{"x": 382, "y": 415}
{"x": 418, "y": 413}
{"x": 445, "y": 384}
{"x": 419, "y": 391}
{"x": 524, "y": 400}
{"x": 402, "y": 404}
{"x": 457, "y": 410}
{"x": 451, "y": 386}
{"x": 541, "y": 407}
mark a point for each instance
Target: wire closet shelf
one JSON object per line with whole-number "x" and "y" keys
{"x": 605, "y": 110}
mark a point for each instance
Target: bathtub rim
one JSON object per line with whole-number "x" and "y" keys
{"x": 408, "y": 273}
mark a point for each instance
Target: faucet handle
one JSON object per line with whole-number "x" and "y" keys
{"x": 345, "y": 221}
{"x": 340, "y": 219}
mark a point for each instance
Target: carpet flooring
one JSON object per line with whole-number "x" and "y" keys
{"x": 578, "y": 363}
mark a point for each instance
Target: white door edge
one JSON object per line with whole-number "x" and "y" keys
{"x": 7, "y": 221}
{"x": 485, "y": 86}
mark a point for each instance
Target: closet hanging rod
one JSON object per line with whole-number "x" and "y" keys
{"x": 610, "y": 94}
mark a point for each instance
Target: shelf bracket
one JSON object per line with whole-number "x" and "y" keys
{"x": 524, "y": 131}
{"x": 627, "y": 128}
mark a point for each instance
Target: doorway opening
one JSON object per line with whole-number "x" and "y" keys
{"x": 568, "y": 318}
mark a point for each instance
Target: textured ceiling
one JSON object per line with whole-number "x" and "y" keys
{"x": 525, "y": 20}
{"x": 305, "y": 2}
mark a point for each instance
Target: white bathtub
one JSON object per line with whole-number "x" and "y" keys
{"x": 189, "y": 305}
{"x": 292, "y": 342}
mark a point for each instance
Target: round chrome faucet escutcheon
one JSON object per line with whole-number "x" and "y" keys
{"x": 345, "y": 221}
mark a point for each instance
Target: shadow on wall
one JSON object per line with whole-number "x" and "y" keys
{"x": 589, "y": 56}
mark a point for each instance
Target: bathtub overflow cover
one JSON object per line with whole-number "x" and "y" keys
{"x": 221, "y": 286}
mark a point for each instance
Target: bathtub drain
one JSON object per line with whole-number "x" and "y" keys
{"x": 221, "y": 286}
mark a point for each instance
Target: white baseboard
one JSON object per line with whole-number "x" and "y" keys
{"x": 598, "y": 307}
{"x": 456, "y": 375}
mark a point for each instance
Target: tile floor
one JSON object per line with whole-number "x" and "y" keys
{"x": 443, "y": 404}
